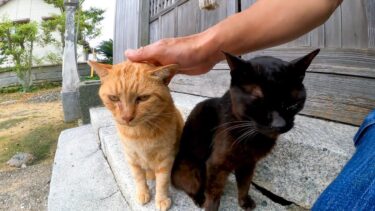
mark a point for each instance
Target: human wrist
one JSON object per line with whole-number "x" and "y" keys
{"x": 211, "y": 45}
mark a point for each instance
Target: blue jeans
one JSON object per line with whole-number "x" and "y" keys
{"x": 354, "y": 187}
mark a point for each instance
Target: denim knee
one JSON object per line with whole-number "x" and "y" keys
{"x": 366, "y": 124}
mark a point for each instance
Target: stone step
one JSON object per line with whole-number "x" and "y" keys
{"x": 113, "y": 151}
{"x": 81, "y": 177}
{"x": 303, "y": 163}
{"x": 89, "y": 174}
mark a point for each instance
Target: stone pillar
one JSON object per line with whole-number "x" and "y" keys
{"x": 70, "y": 76}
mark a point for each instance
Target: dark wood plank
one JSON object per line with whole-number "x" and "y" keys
{"x": 324, "y": 68}
{"x": 339, "y": 98}
{"x": 336, "y": 57}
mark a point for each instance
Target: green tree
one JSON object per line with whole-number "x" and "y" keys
{"x": 17, "y": 43}
{"x": 87, "y": 25}
{"x": 105, "y": 49}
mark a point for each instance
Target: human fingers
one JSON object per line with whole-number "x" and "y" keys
{"x": 137, "y": 55}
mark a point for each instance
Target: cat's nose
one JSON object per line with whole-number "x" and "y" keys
{"x": 127, "y": 118}
{"x": 277, "y": 120}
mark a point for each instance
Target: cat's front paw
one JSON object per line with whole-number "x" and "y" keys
{"x": 143, "y": 197}
{"x": 198, "y": 199}
{"x": 247, "y": 203}
{"x": 163, "y": 204}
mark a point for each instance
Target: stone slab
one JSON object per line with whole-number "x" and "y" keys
{"x": 101, "y": 117}
{"x": 81, "y": 177}
{"x": 113, "y": 150}
{"x": 185, "y": 103}
{"x": 304, "y": 161}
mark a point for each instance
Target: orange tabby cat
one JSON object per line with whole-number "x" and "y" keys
{"x": 147, "y": 120}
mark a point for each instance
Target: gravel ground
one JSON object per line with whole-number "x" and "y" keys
{"x": 45, "y": 97}
{"x": 25, "y": 189}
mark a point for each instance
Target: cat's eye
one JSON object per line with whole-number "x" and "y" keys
{"x": 114, "y": 98}
{"x": 292, "y": 107}
{"x": 142, "y": 98}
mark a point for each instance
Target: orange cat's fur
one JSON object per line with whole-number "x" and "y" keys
{"x": 147, "y": 120}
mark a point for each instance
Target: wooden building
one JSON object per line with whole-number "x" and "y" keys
{"x": 340, "y": 83}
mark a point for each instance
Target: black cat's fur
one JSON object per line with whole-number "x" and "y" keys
{"x": 231, "y": 133}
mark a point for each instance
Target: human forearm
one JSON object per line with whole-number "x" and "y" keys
{"x": 267, "y": 23}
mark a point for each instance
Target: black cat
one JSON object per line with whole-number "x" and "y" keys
{"x": 233, "y": 132}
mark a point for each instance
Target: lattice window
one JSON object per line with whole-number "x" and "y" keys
{"x": 156, "y": 6}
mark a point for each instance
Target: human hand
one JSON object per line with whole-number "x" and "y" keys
{"x": 195, "y": 54}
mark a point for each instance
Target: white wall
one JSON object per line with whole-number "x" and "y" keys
{"x": 34, "y": 10}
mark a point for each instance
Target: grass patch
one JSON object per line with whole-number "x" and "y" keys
{"x": 11, "y": 89}
{"x": 10, "y": 123}
{"x": 41, "y": 142}
{"x": 34, "y": 88}
{"x": 88, "y": 78}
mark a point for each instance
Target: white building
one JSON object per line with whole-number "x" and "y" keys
{"x": 32, "y": 10}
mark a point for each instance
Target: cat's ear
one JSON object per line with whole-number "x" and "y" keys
{"x": 300, "y": 65}
{"x": 234, "y": 62}
{"x": 165, "y": 73}
{"x": 100, "y": 69}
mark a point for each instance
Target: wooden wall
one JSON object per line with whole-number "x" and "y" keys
{"x": 340, "y": 83}
{"x": 182, "y": 17}
{"x": 131, "y": 26}
{"x": 348, "y": 27}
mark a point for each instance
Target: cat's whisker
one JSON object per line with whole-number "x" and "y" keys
{"x": 231, "y": 128}
{"x": 227, "y": 123}
{"x": 244, "y": 135}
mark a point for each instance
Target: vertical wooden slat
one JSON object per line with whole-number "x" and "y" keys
{"x": 246, "y": 3}
{"x": 167, "y": 25}
{"x": 370, "y": 14}
{"x": 332, "y": 30}
{"x": 144, "y": 17}
{"x": 302, "y": 41}
{"x": 154, "y": 31}
{"x": 131, "y": 27}
{"x": 232, "y": 7}
{"x": 211, "y": 17}
{"x": 119, "y": 35}
{"x": 188, "y": 18}
{"x": 354, "y": 24}
{"x": 317, "y": 37}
